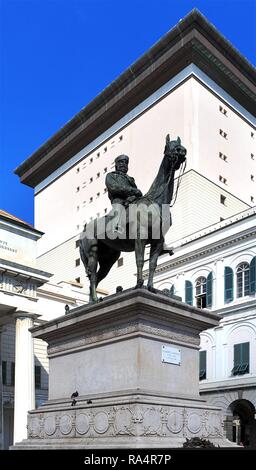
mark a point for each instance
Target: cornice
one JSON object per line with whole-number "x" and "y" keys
{"x": 203, "y": 252}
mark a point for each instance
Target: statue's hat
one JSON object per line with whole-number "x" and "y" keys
{"x": 121, "y": 157}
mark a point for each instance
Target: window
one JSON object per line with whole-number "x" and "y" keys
{"x": 223, "y": 134}
{"x": 223, "y": 110}
{"x": 98, "y": 155}
{"x": 222, "y": 179}
{"x": 4, "y": 372}
{"x": 252, "y": 177}
{"x": 77, "y": 243}
{"x": 252, "y": 135}
{"x": 98, "y": 174}
{"x": 223, "y": 199}
{"x": 105, "y": 210}
{"x": 77, "y": 280}
{"x": 120, "y": 262}
{"x": 241, "y": 359}
{"x": 252, "y": 276}
{"x": 120, "y": 138}
{"x": 221, "y": 219}
{"x": 78, "y": 189}
{"x": 91, "y": 159}
{"x": 91, "y": 199}
{"x": 78, "y": 169}
{"x": 201, "y": 292}
{"x": 105, "y": 149}
{"x": 78, "y": 262}
{"x": 202, "y": 365}
{"x": 77, "y": 208}
{"x": 98, "y": 194}
{"x": 12, "y": 373}
{"x": 38, "y": 376}
{"x": 252, "y": 199}
{"x": 242, "y": 279}
{"x": 105, "y": 190}
{"x": 252, "y": 156}
{"x": 223, "y": 157}
{"x": 105, "y": 170}
{"x": 91, "y": 179}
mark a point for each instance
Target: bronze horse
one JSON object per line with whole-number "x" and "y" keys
{"x": 105, "y": 249}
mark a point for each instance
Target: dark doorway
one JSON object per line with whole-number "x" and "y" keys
{"x": 244, "y": 423}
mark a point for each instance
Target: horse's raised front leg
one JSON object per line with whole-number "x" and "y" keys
{"x": 155, "y": 251}
{"x": 139, "y": 254}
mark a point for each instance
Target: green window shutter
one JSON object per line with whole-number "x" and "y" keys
{"x": 241, "y": 359}
{"x": 228, "y": 285}
{"x": 237, "y": 355}
{"x": 209, "y": 290}
{"x": 202, "y": 365}
{"x": 188, "y": 293}
{"x": 245, "y": 353}
{"x": 252, "y": 276}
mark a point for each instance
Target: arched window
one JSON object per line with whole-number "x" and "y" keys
{"x": 242, "y": 279}
{"x": 201, "y": 292}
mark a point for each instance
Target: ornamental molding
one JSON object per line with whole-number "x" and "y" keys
{"x": 137, "y": 420}
{"x": 172, "y": 334}
{"x": 17, "y": 285}
{"x": 202, "y": 252}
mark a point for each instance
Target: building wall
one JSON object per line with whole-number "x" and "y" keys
{"x": 190, "y": 111}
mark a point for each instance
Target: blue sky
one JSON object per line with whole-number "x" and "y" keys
{"x": 57, "y": 55}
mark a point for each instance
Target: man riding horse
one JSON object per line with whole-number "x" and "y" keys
{"x": 122, "y": 189}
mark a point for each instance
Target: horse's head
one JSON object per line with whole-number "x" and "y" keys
{"x": 175, "y": 152}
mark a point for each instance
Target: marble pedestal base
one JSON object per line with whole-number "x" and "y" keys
{"x": 130, "y": 394}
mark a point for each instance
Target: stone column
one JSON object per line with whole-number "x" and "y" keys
{"x": 24, "y": 391}
{"x": 1, "y": 397}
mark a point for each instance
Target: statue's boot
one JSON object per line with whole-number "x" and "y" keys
{"x": 167, "y": 249}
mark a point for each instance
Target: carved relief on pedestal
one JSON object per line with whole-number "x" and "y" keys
{"x": 50, "y": 425}
{"x": 194, "y": 423}
{"x": 123, "y": 423}
{"x": 101, "y": 422}
{"x": 82, "y": 423}
{"x": 34, "y": 427}
{"x": 152, "y": 422}
{"x": 65, "y": 424}
{"x": 130, "y": 420}
{"x": 175, "y": 421}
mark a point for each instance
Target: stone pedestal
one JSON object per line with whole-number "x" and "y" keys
{"x": 133, "y": 390}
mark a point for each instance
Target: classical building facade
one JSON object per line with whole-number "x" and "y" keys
{"x": 195, "y": 84}
{"x": 27, "y": 298}
{"x": 215, "y": 268}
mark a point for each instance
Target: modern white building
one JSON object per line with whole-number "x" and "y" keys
{"x": 195, "y": 84}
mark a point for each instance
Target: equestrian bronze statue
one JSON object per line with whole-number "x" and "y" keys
{"x": 134, "y": 221}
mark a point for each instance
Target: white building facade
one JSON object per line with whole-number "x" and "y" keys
{"x": 216, "y": 269}
{"x": 27, "y": 298}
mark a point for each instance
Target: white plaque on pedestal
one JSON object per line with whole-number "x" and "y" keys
{"x": 171, "y": 355}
